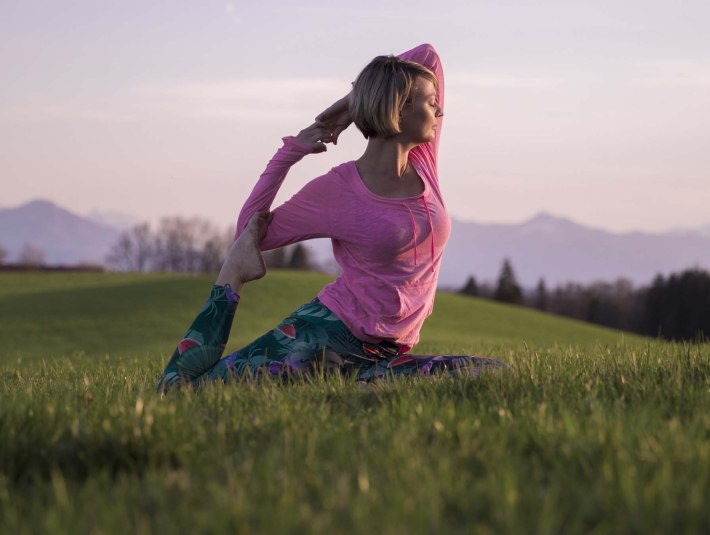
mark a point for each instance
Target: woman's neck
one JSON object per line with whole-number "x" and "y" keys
{"x": 384, "y": 169}
{"x": 388, "y": 159}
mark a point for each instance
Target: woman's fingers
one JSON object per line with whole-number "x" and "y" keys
{"x": 335, "y": 123}
{"x": 335, "y": 134}
{"x": 330, "y": 133}
{"x": 319, "y": 147}
{"x": 315, "y": 135}
{"x": 320, "y": 132}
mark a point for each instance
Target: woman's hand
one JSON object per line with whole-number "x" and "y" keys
{"x": 336, "y": 118}
{"x": 315, "y": 136}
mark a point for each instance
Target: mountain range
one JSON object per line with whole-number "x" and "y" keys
{"x": 546, "y": 246}
{"x": 560, "y": 250}
{"x": 63, "y": 237}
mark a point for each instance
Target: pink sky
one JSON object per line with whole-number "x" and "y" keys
{"x": 597, "y": 111}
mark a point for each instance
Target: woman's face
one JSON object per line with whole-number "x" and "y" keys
{"x": 419, "y": 116}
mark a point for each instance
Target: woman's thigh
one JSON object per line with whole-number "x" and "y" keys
{"x": 312, "y": 335}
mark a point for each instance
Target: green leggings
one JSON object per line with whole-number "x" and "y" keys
{"x": 312, "y": 337}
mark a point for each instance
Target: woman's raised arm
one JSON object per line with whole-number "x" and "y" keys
{"x": 337, "y": 118}
{"x": 426, "y": 56}
{"x": 308, "y": 141}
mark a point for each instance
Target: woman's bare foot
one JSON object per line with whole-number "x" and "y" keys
{"x": 244, "y": 262}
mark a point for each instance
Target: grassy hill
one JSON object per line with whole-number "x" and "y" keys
{"x": 589, "y": 431}
{"x": 50, "y": 315}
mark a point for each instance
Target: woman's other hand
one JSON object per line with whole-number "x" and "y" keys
{"x": 315, "y": 136}
{"x": 336, "y": 118}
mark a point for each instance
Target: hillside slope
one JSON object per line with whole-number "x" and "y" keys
{"x": 116, "y": 314}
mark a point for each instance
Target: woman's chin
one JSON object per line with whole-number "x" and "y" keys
{"x": 423, "y": 138}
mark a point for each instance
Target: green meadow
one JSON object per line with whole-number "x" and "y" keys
{"x": 590, "y": 431}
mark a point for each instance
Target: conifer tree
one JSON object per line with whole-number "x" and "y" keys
{"x": 508, "y": 289}
{"x": 541, "y": 295}
{"x": 470, "y": 288}
{"x": 299, "y": 258}
{"x": 276, "y": 258}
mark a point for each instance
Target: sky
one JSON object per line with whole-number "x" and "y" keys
{"x": 598, "y": 111}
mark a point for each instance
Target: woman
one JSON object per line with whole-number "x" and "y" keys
{"x": 388, "y": 224}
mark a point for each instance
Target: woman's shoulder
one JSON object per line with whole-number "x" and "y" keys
{"x": 344, "y": 168}
{"x": 339, "y": 177}
{"x": 342, "y": 173}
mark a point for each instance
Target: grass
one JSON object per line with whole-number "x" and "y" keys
{"x": 592, "y": 430}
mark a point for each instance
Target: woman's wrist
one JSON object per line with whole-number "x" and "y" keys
{"x": 336, "y": 118}
{"x": 295, "y": 143}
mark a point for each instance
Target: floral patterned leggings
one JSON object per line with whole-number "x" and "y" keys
{"x": 310, "y": 338}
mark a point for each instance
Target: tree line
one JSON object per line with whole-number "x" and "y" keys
{"x": 676, "y": 307}
{"x": 188, "y": 245}
{"x": 29, "y": 256}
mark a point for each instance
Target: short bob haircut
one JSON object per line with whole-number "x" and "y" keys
{"x": 381, "y": 91}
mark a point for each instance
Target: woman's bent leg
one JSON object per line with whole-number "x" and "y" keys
{"x": 202, "y": 346}
{"x": 204, "y": 342}
{"x": 311, "y": 337}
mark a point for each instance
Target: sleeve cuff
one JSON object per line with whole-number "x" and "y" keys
{"x": 292, "y": 143}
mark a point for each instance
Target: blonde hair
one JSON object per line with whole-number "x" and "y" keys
{"x": 381, "y": 91}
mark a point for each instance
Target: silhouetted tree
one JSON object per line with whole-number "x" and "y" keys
{"x": 568, "y": 300}
{"x": 678, "y": 308}
{"x": 214, "y": 251}
{"x": 3, "y": 255}
{"x": 508, "y": 290}
{"x": 31, "y": 256}
{"x": 300, "y": 259}
{"x": 178, "y": 245}
{"x": 189, "y": 246}
{"x": 611, "y": 304}
{"x": 470, "y": 288}
{"x": 655, "y": 307}
{"x": 134, "y": 249}
{"x": 541, "y": 295}
{"x": 276, "y": 258}
{"x": 486, "y": 290}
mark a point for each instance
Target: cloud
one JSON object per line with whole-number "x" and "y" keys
{"x": 675, "y": 73}
{"x": 231, "y": 11}
{"x": 66, "y": 112}
{"x": 498, "y": 81}
{"x": 248, "y": 98}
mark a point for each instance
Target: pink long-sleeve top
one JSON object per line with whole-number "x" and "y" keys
{"x": 389, "y": 250}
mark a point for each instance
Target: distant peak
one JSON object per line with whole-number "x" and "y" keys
{"x": 545, "y": 217}
{"x": 547, "y": 220}
{"x": 42, "y": 206}
{"x": 39, "y": 203}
